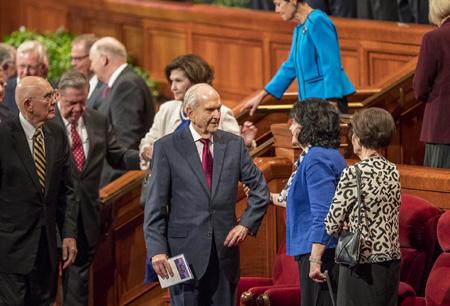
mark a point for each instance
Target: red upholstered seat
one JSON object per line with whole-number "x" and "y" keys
{"x": 284, "y": 274}
{"x": 418, "y": 242}
{"x": 437, "y": 291}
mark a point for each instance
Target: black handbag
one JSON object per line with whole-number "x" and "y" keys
{"x": 349, "y": 244}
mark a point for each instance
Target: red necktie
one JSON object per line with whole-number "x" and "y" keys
{"x": 207, "y": 161}
{"x": 105, "y": 92}
{"x": 77, "y": 147}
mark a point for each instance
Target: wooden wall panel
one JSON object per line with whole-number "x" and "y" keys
{"x": 279, "y": 53}
{"x": 245, "y": 46}
{"x": 232, "y": 59}
{"x": 44, "y": 16}
{"x": 162, "y": 43}
{"x": 133, "y": 38}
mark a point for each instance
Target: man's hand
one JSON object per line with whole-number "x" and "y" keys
{"x": 252, "y": 102}
{"x": 248, "y": 133}
{"x": 236, "y": 236}
{"x": 147, "y": 153}
{"x": 315, "y": 274}
{"x": 161, "y": 265}
{"x": 69, "y": 252}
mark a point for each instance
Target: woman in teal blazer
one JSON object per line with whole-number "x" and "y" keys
{"x": 314, "y": 58}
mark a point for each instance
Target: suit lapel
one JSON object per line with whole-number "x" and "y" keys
{"x": 50, "y": 155}
{"x": 219, "y": 154}
{"x": 20, "y": 143}
{"x": 90, "y": 131}
{"x": 188, "y": 149}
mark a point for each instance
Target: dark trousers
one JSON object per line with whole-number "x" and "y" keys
{"x": 76, "y": 277}
{"x": 374, "y": 284}
{"x": 212, "y": 289}
{"x": 378, "y": 9}
{"x": 317, "y": 294}
{"x": 38, "y": 288}
{"x": 337, "y": 8}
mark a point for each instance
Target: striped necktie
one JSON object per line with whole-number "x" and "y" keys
{"x": 39, "y": 156}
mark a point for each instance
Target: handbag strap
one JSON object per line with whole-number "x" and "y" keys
{"x": 358, "y": 193}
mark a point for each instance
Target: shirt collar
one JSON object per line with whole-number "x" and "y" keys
{"x": 116, "y": 74}
{"x": 196, "y": 135}
{"x": 80, "y": 123}
{"x": 27, "y": 127}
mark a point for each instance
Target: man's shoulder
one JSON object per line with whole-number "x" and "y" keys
{"x": 227, "y": 136}
{"x": 94, "y": 116}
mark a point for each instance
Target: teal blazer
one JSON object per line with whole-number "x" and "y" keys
{"x": 315, "y": 61}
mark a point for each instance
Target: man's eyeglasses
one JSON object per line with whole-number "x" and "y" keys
{"x": 51, "y": 96}
{"x": 78, "y": 58}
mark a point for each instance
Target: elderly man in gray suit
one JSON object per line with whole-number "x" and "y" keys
{"x": 191, "y": 205}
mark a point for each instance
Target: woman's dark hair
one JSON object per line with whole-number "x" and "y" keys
{"x": 197, "y": 70}
{"x": 374, "y": 127}
{"x": 320, "y": 123}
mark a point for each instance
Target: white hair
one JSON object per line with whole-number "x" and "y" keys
{"x": 191, "y": 97}
{"x": 111, "y": 47}
{"x": 34, "y": 46}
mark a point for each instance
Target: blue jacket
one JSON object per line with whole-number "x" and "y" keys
{"x": 315, "y": 61}
{"x": 309, "y": 199}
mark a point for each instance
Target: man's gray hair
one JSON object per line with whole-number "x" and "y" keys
{"x": 6, "y": 53}
{"x": 191, "y": 97}
{"x": 111, "y": 47}
{"x": 34, "y": 46}
{"x": 72, "y": 79}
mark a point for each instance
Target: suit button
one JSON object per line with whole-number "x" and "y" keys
{"x": 209, "y": 233}
{"x": 212, "y": 211}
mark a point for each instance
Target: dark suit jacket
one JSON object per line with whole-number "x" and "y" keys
{"x": 4, "y": 112}
{"x": 182, "y": 215}
{"x": 102, "y": 145}
{"x": 129, "y": 107}
{"x": 10, "y": 96}
{"x": 24, "y": 209}
{"x": 432, "y": 85}
{"x": 95, "y": 99}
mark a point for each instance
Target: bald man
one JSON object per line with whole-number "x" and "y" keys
{"x": 127, "y": 101}
{"x": 191, "y": 205}
{"x": 36, "y": 196}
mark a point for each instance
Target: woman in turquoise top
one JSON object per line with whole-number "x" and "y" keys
{"x": 314, "y": 59}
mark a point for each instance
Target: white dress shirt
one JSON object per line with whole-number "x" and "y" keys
{"x": 29, "y": 131}
{"x": 116, "y": 74}
{"x": 82, "y": 131}
{"x": 198, "y": 143}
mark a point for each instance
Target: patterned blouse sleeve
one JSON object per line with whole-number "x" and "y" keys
{"x": 343, "y": 200}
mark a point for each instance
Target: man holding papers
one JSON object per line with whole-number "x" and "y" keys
{"x": 191, "y": 205}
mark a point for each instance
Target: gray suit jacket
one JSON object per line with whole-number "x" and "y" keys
{"x": 182, "y": 215}
{"x": 129, "y": 108}
{"x": 103, "y": 146}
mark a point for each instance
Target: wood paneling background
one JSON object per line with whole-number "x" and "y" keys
{"x": 246, "y": 47}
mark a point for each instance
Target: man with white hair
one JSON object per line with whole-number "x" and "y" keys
{"x": 127, "y": 100}
{"x": 31, "y": 60}
{"x": 190, "y": 209}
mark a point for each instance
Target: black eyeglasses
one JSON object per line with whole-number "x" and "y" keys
{"x": 78, "y": 58}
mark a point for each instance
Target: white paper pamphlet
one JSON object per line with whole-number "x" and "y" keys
{"x": 181, "y": 272}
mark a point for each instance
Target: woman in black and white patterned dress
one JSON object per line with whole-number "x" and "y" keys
{"x": 375, "y": 280}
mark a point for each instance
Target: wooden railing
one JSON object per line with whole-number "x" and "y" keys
{"x": 393, "y": 94}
